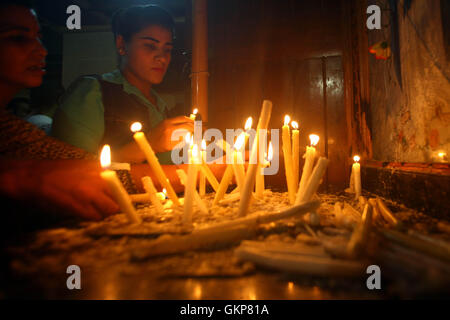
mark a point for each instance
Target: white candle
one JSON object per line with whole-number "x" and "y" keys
{"x": 247, "y": 127}
{"x": 152, "y": 160}
{"x": 310, "y": 157}
{"x": 198, "y": 200}
{"x": 288, "y": 163}
{"x": 246, "y": 193}
{"x": 206, "y": 173}
{"x": 260, "y": 185}
{"x": 238, "y": 162}
{"x": 191, "y": 183}
{"x": 152, "y": 194}
{"x": 314, "y": 181}
{"x": 202, "y": 177}
{"x": 224, "y": 183}
{"x": 351, "y": 185}
{"x": 119, "y": 193}
{"x": 296, "y": 153}
{"x": 356, "y": 170}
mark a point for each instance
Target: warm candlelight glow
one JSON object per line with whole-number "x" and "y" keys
{"x": 195, "y": 152}
{"x": 136, "y": 127}
{"x": 203, "y": 145}
{"x": 442, "y": 154}
{"x": 165, "y": 192}
{"x": 270, "y": 152}
{"x": 248, "y": 124}
{"x": 105, "y": 156}
{"x": 294, "y": 125}
{"x": 239, "y": 142}
{"x": 195, "y": 111}
{"x": 314, "y": 139}
{"x": 287, "y": 119}
{"x": 290, "y": 286}
{"x": 356, "y": 158}
{"x": 198, "y": 292}
{"x": 187, "y": 138}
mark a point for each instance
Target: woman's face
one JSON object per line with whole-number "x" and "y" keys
{"x": 148, "y": 53}
{"x": 22, "y": 55}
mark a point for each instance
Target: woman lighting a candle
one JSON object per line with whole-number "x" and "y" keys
{"x": 99, "y": 110}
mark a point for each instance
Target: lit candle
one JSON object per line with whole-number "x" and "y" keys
{"x": 152, "y": 194}
{"x": 351, "y": 185}
{"x": 198, "y": 200}
{"x": 191, "y": 183}
{"x": 238, "y": 162}
{"x": 356, "y": 170}
{"x": 296, "y": 153}
{"x": 249, "y": 184}
{"x": 310, "y": 157}
{"x": 288, "y": 163}
{"x": 116, "y": 187}
{"x": 442, "y": 156}
{"x": 193, "y": 115}
{"x": 247, "y": 127}
{"x": 313, "y": 181}
{"x": 152, "y": 160}
{"x": 260, "y": 186}
{"x": 202, "y": 177}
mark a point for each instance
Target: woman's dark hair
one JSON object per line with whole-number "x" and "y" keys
{"x": 129, "y": 21}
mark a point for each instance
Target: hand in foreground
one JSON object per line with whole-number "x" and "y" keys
{"x": 160, "y": 136}
{"x": 65, "y": 187}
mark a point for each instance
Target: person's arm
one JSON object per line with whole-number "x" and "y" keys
{"x": 64, "y": 187}
{"x": 79, "y": 120}
{"x": 23, "y": 140}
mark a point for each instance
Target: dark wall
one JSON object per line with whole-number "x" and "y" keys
{"x": 281, "y": 51}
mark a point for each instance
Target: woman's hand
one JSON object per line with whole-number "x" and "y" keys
{"x": 160, "y": 136}
{"x": 67, "y": 187}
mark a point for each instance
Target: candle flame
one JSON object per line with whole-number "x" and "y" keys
{"x": 294, "y": 125}
{"x": 248, "y": 123}
{"x": 356, "y": 158}
{"x": 314, "y": 138}
{"x": 442, "y": 154}
{"x": 203, "y": 144}
{"x": 195, "y": 111}
{"x": 165, "y": 192}
{"x": 198, "y": 292}
{"x": 239, "y": 142}
{"x": 290, "y": 286}
{"x": 105, "y": 156}
{"x": 287, "y": 119}
{"x": 270, "y": 152}
{"x": 136, "y": 127}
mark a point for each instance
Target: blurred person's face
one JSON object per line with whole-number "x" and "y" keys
{"x": 22, "y": 55}
{"x": 148, "y": 53}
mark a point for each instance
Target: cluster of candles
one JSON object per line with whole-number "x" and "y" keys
{"x": 301, "y": 191}
{"x": 250, "y": 182}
